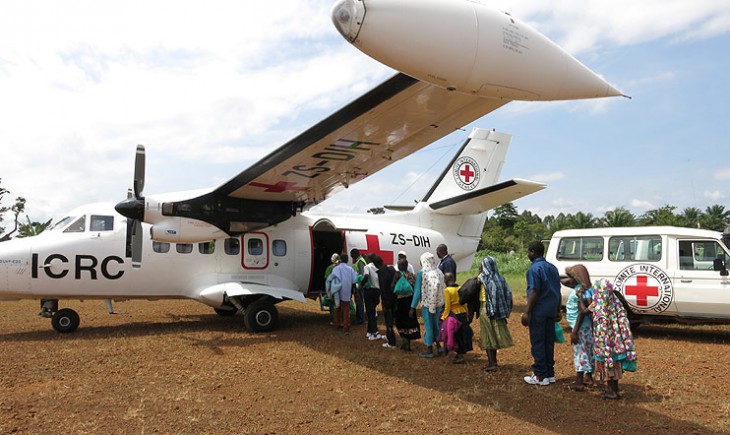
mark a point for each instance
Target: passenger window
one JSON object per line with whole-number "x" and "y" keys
{"x": 278, "y": 248}
{"x": 580, "y": 249}
{"x": 184, "y": 248}
{"x": 78, "y": 226}
{"x": 255, "y": 247}
{"x": 206, "y": 247}
{"x": 700, "y": 254}
{"x": 101, "y": 223}
{"x": 232, "y": 246}
{"x": 160, "y": 247}
{"x": 635, "y": 248}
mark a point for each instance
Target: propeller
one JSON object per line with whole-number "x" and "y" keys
{"x": 133, "y": 209}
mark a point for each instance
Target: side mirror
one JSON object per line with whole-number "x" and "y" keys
{"x": 719, "y": 265}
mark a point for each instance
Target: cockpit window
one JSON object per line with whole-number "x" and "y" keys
{"x": 101, "y": 223}
{"x": 62, "y": 223}
{"x": 78, "y": 226}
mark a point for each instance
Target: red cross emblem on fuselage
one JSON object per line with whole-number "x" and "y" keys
{"x": 373, "y": 243}
{"x": 641, "y": 290}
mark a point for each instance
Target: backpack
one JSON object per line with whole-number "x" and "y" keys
{"x": 402, "y": 286}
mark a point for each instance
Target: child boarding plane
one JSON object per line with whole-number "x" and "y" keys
{"x": 251, "y": 243}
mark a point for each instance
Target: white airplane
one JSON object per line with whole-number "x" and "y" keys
{"x": 250, "y": 243}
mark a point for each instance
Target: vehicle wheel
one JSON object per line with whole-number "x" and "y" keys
{"x": 225, "y": 312}
{"x": 65, "y": 320}
{"x": 260, "y": 316}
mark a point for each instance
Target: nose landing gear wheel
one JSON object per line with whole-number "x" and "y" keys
{"x": 65, "y": 320}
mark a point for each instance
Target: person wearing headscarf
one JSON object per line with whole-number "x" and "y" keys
{"x": 613, "y": 347}
{"x": 429, "y": 291}
{"x": 495, "y": 308}
{"x": 579, "y": 320}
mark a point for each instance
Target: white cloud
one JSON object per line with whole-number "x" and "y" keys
{"x": 714, "y": 195}
{"x": 548, "y": 177}
{"x": 642, "y": 204}
{"x": 723, "y": 174}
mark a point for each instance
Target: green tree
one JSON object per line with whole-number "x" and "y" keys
{"x": 660, "y": 216}
{"x": 691, "y": 217}
{"x": 506, "y": 215}
{"x": 16, "y": 209}
{"x": 582, "y": 220}
{"x": 618, "y": 217}
{"x": 716, "y": 218}
{"x": 30, "y": 229}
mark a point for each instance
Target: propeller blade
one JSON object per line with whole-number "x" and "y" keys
{"x": 137, "y": 240}
{"x": 139, "y": 164}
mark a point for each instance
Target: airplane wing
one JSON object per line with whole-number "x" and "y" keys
{"x": 395, "y": 119}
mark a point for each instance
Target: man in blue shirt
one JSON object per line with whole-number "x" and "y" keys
{"x": 447, "y": 264}
{"x": 541, "y": 312}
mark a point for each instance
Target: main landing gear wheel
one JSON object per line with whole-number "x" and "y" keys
{"x": 65, "y": 320}
{"x": 260, "y": 316}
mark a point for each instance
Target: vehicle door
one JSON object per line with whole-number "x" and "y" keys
{"x": 700, "y": 291}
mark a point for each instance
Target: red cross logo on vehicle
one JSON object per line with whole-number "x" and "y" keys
{"x": 466, "y": 173}
{"x": 642, "y": 290}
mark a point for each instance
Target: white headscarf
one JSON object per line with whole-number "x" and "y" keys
{"x": 432, "y": 283}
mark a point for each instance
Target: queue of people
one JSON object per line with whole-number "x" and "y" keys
{"x": 603, "y": 347}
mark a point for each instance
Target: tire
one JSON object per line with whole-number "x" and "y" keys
{"x": 65, "y": 320}
{"x": 225, "y": 312}
{"x": 261, "y": 316}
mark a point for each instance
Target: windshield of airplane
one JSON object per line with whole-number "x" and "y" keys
{"x": 62, "y": 223}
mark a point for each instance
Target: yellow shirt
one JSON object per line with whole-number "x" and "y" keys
{"x": 452, "y": 305}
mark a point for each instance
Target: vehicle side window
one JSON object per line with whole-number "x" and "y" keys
{"x": 700, "y": 254}
{"x": 581, "y": 249}
{"x": 101, "y": 223}
{"x": 255, "y": 247}
{"x": 635, "y": 248}
{"x": 184, "y": 248}
{"x": 278, "y": 248}
{"x": 232, "y": 246}
{"x": 160, "y": 247}
{"x": 78, "y": 226}
{"x": 206, "y": 247}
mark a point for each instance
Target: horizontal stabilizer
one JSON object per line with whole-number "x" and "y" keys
{"x": 481, "y": 200}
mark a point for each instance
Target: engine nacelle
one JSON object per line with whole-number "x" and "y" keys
{"x": 185, "y": 230}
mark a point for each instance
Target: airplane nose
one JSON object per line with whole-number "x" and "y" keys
{"x": 347, "y": 16}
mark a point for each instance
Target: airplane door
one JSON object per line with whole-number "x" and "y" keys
{"x": 255, "y": 251}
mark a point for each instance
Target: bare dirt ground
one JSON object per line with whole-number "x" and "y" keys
{"x": 176, "y": 367}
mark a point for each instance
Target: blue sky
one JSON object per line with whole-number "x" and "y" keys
{"x": 211, "y": 88}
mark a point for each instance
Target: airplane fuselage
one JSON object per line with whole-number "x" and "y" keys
{"x": 87, "y": 262}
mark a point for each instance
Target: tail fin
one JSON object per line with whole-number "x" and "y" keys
{"x": 469, "y": 185}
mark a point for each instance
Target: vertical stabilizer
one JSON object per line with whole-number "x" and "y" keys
{"x": 477, "y": 165}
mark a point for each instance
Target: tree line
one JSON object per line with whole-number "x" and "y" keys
{"x": 18, "y": 229}
{"x": 507, "y": 230}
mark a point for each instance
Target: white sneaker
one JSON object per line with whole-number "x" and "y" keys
{"x": 388, "y": 345}
{"x": 535, "y": 380}
{"x": 373, "y": 337}
{"x": 551, "y": 379}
